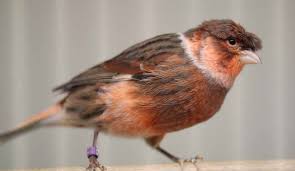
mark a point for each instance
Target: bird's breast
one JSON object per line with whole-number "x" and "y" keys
{"x": 196, "y": 108}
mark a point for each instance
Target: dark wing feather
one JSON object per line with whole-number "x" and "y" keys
{"x": 92, "y": 76}
{"x": 139, "y": 58}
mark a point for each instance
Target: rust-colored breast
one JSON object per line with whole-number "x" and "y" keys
{"x": 193, "y": 100}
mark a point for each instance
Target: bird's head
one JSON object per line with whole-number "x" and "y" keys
{"x": 221, "y": 48}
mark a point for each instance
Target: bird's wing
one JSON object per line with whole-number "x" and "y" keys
{"x": 139, "y": 58}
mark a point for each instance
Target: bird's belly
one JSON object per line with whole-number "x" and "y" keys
{"x": 182, "y": 123}
{"x": 130, "y": 124}
{"x": 143, "y": 123}
{"x": 123, "y": 116}
{"x": 183, "y": 118}
{"x": 128, "y": 114}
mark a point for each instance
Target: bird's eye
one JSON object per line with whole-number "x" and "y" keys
{"x": 231, "y": 41}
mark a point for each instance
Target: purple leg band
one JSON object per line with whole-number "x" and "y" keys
{"x": 92, "y": 151}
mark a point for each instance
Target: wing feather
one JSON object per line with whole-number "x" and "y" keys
{"x": 139, "y": 58}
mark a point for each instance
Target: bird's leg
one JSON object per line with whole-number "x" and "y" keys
{"x": 167, "y": 154}
{"x": 93, "y": 155}
{"x": 178, "y": 160}
{"x": 171, "y": 157}
{"x": 154, "y": 142}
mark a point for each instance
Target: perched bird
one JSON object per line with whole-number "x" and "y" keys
{"x": 163, "y": 84}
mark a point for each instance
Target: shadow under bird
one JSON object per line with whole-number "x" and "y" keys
{"x": 163, "y": 84}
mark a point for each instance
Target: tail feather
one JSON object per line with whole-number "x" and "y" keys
{"x": 30, "y": 124}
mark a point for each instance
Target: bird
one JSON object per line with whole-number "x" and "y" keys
{"x": 161, "y": 85}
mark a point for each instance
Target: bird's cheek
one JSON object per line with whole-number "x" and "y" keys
{"x": 235, "y": 66}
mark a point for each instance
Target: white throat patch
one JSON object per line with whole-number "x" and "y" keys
{"x": 220, "y": 78}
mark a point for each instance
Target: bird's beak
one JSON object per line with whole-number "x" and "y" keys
{"x": 249, "y": 57}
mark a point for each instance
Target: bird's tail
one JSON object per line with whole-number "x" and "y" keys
{"x": 31, "y": 123}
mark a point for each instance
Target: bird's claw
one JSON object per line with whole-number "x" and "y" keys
{"x": 94, "y": 164}
{"x": 193, "y": 161}
{"x": 94, "y": 167}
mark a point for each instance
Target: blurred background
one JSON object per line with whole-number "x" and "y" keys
{"x": 43, "y": 43}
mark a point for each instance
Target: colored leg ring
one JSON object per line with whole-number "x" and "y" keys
{"x": 92, "y": 151}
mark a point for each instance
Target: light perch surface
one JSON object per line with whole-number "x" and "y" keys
{"x": 270, "y": 165}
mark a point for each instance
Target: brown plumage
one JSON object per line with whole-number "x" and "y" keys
{"x": 164, "y": 84}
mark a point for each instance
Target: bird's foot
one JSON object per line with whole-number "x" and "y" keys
{"x": 93, "y": 163}
{"x": 195, "y": 161}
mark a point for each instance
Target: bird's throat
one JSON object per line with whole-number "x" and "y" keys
{"x": 205, "y": 58}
